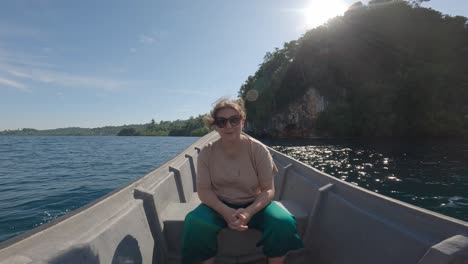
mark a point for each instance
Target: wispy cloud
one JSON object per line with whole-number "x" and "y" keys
{"x": 14, "y": 84}
{"x": 23, "y": 68}
{"x": 46, "y": 76}
{"x": 80, "y": 81}
{"x": 153, "y": 37}
{"x": 17, "y": 58}
{"x": 18, "y": 74}
{"x": 133, "y": 50}
{"x": 25, "y": 62}
{"x": 146, "y": 39}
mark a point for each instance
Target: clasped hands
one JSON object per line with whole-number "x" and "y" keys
{"x": 237, "y": 219}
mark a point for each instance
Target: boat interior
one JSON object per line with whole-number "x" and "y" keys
{"x": 338, "y": 222}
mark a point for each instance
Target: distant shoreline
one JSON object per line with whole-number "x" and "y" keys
{"x": 44, "y": 135}
{"x": 263, "y": 139}
{"x": 194, "y": 126}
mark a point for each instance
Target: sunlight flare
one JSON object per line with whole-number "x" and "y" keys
{"x": 319, "y": 12}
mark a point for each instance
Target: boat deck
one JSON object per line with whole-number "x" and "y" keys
{"x": 340, "y": 223}
{"x": 173, "y": 217}
{"x": 292, "y": 258}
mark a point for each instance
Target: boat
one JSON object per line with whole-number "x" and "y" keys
{"x": 340, "y": 223}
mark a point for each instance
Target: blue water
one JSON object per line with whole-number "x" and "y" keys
{"x": 42, "y": 178}
{"x": 429, "y": 174}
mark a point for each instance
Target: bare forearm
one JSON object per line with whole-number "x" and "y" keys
{"x": 262, "y": 200}
{"x": 209, "y": 198}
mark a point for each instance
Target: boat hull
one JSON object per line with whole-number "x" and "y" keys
{"x": 339, "y": 223}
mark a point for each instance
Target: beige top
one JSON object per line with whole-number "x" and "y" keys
{"x": 235, "y": 180}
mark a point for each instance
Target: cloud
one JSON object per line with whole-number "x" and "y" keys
{"x": 153, "y": 37}
{"x": 146, "y": 39}
{"x": 19, "y": 67}
{"x": 14, "y": 84}
{"x": 25, "y": 62}
{"x": 58, "y": 78}
{"x": 10, "y": 57}
{"x": 18, "y": 74}
{"x": 133, "y": 50}
{"x": 80, "y": 81}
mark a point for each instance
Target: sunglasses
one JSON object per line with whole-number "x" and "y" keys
{"x": 233, "y": 120}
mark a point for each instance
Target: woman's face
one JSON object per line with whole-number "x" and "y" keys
{"x": 229, "y": 123}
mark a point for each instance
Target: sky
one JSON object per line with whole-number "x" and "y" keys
{"x": 94, "y": 63}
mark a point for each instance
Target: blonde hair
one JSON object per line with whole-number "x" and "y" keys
{"x": 223, "y": 103}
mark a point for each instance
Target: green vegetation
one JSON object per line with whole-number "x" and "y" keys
{"x": 71, "y": 131}
{"x": 386, "y": 69}
{"x": 191, "y": 127}
{"x": 128, "y": 132}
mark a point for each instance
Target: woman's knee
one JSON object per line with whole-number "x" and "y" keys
{"x": 199, "y": 213}
{"x": 194, "y": 220}
{"x": 190, "y": 217}
{"x": 203, "y": 219}
{"x": 284, "y": 222}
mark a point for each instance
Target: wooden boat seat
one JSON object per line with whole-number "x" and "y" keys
{"x": 232, "y": 245}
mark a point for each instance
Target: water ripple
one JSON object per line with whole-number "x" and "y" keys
{"x": 42, "y": 178}
{"x": 430, "y": 174}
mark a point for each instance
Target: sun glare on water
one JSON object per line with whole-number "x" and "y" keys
{"x": 319, "y": 12}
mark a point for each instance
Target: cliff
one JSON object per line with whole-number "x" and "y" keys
{"x": 386, "y": 69}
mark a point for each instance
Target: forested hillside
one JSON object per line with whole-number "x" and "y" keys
{"x": 386, "y": 69}
{"x": 194, "y": 126}
{"x": 71, "y": 131}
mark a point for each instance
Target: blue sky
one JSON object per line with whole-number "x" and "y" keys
{"x": 96, "y": 63}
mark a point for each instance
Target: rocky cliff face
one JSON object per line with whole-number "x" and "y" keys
{"x": 298, "y": 120}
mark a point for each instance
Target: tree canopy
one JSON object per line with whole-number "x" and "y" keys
{"x": 389, "y": 68}
{"x": 194, "y": 126}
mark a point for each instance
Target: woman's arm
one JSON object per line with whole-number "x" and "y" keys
{"x": 262, "y": 200}
{"x": 209, "y": 198}
{"x": 266, "y": 170}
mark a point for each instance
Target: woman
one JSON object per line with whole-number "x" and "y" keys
{"x": 235, "y": 185}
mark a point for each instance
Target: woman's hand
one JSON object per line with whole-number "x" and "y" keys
{"x": 243, "y": 217}
{"x": 235, "y": 220}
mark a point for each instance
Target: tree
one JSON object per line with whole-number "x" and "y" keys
{"x": 391, "y": 68}
{"x": 127, "y": 132}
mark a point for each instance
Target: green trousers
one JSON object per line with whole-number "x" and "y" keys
{"x": 202, "y": 225}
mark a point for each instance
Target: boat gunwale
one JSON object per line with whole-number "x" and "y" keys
{"x": 4, "y": 245}
{"x": 389, "y": 200}
{"x": 383, "y": 207}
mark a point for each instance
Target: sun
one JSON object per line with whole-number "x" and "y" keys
{"x": 319, "y": 12}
